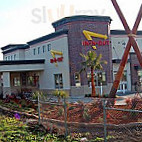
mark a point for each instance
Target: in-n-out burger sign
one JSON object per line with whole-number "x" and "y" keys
{"x": 55, "y": 59}
{"x": 92, "y": 43}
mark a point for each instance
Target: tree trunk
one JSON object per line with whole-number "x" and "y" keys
{"x": 92, "y": 83}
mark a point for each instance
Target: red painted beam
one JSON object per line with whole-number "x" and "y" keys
{"x": 128, "y": 47}
{"x": 121, "y": 16}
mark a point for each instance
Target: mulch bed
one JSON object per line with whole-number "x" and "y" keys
{"x": 92, "y": 113}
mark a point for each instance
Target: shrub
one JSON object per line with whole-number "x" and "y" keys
{"x": 60, "y": 111}
{"x": 60, "y": 94}
{"x": 86, "y": 115}
{"x": 36, "y": 94}
{"x": 23, "y": 103}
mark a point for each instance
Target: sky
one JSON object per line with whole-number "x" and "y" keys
{"x": 25, "y": 20}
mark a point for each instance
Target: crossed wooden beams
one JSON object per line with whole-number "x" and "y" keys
{"x": 131, "y": 42}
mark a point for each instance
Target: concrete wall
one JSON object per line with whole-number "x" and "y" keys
{"x": 6, "y": 84}
{"x": 82, "y": 90}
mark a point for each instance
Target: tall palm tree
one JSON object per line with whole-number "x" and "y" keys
{"x": 94, "y": 62}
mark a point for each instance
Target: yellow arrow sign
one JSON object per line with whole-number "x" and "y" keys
{"x": 89, "y": 36}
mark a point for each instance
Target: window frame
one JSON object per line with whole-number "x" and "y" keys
{"x": 97, "y": 78}
{"x": 14, "y": 57}
{"x": 43, "y": 48}
{"x": 38, "y": 50}
{"x": 34, "y": 81}
{"x": 49, "y": 47}
{"x": 34, "y": 51}
{"x": 77, "y": 81}
{"x": 17, "y": 82}
{"x": 60, "y": 81}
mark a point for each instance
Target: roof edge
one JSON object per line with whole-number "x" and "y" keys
{"x": 122, "y": 32}
{"x": 10, "y": 45}
{"x": 81, "y": 18}
{"x": 49, "y": 36}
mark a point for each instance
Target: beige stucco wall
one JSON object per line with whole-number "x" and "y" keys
{"x": 20, "y": 55}
{"x": 47, "y": 76}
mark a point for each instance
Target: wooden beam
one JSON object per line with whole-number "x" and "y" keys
{"x": 130, "y": 43}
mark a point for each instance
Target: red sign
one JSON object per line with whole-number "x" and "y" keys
{"x": 55, "y": 60}
{"x": 94, "y": 43}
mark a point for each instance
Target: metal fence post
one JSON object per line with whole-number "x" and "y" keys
{"x": 105, "y": 121}
{"x": 65, "y": 113}
{"x": 38, "y": 110}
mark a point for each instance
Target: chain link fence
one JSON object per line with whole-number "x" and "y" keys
{"x": 108, "y": 119}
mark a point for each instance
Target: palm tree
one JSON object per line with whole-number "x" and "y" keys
{"x": 93, "y": 62}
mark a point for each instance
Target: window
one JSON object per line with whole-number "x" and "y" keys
{"x": 140, "y": 76}
{"x": 58, "y": 81}
{"x": 33, "y": 80}
{"x": 123, "y": 82}
{"x": 124, "y": 76}
{"x": 48, "y": 47}
{"x": 34, "y": 51}
{"x": 43, "y": 48}
{"x": 11, "y": 58}
{"x": 99, "y": 77}
{"x": 23, "y": 78}
{"x": 77, "y": 79}
{"x": 16, "y": 81}
{"x": 14, "y": 56}
{"x": 38, "y": 50}
{"x": 8, "y": 57}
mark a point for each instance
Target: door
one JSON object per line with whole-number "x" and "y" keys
{"x": 123, "y": 86}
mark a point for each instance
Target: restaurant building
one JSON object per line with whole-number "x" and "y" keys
{"x": 54, "y": 62}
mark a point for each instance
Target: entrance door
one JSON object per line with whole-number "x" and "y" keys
{"x": 122, "y": 87}
{"x": 123, "y": 83}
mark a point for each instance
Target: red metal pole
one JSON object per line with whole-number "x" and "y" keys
{"x": 126, "y": 52}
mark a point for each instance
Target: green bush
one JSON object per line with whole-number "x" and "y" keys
{"x": 12, "y": 130}
{"x": 86, "y": 115}
{"x": 60, "y": 94}
{"x": 36, "y": 94}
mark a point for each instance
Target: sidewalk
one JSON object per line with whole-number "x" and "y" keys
{"x": 121, "y": 98}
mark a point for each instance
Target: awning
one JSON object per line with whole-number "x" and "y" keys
{"x": 22, "y": 65}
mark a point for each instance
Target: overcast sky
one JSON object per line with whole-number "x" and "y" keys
{"x": 25, "y": 20}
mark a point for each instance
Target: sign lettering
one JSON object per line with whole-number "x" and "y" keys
{"x": 92, "y": 43}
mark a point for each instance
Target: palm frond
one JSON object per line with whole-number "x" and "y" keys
{"x": 92, "y": 60}
{"x": 84, "y": 56}
{"x": 83, "y": 69}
